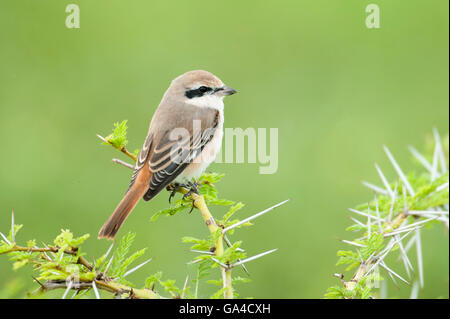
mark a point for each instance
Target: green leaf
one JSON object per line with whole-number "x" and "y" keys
{"x": 120, "y": 253}
{"x": 78, "y": 241}
{"x": 231, "y": 212}
{"x": 119, "y": 136}
{"x": 150, "y": 281}
{"x": 170, "y": 211}
{"x": 16, "y": 230}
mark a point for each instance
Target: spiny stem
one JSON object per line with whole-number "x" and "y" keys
{"x": 81, "y": 260}
{"x": 200, "y": 204}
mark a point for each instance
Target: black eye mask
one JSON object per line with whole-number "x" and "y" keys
{"x": 199, "y": 92}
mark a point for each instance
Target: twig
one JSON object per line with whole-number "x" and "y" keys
{"x": 118, "y": 161}
{"x": 122, "y": 149}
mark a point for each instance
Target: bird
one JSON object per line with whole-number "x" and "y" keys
{"x": 183, "y": 139}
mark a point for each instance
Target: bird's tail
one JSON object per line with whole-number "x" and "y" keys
{"x": 126, "y": 205}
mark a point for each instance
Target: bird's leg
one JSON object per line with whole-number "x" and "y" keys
{"x": 193, "y": 189}
{"x": 174, "y": 188}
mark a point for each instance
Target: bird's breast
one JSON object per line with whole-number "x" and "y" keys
{"x": 196, "y": 168}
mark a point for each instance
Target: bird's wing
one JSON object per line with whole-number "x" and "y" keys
{"x": 174, "y": 149}
{"x": 141, "y": 159}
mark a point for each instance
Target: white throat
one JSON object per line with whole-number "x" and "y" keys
{"x": 208, "y": 100}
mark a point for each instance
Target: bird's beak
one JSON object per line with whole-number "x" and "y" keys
{"x": 228, "y": 90}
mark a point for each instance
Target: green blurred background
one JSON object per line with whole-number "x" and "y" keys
{"x": 336, "y": 90}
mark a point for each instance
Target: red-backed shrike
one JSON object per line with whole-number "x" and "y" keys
{"x": 184, "y": 137}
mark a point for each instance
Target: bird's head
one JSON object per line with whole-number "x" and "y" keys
{"x": 200, "y": 88}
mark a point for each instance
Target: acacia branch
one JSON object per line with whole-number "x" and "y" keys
{"x": 81, "y": 260}
{"x": 426, "y": 203}
{"x": 198, "y": 201}
{"x": 75, "y": 283}
{"x": 102, "y": 284}
{"x": 365, "y": 266}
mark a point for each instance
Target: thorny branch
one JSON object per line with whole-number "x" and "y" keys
{"x": 101, "y": 281}
{"x": 396, "y": 228}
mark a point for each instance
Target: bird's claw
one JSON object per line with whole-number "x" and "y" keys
{"x": 174, "y": 188}
{"x": 193, "y": 189}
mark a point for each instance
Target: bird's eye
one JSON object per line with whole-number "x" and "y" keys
{"x": 203, "y": 89}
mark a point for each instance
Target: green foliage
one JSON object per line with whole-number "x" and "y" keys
{"x": 60, "y": 261}
{"x": 63, "y": 260}
{"x": 207, "y": 261}
{"x": 366, "y": 246}
{"x": 118, "y": 138}
{"x": 120, "y": 253}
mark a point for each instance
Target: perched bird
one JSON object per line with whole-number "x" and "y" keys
{"x": 184, "y": 137}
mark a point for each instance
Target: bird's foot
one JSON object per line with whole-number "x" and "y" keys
{"x": 174, "y": 188}
{"x": 193, "y": 189}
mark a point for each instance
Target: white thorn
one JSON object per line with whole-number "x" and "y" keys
{"x": 228, "y": 242}
{"x": 13, "y": 230}
{"x": 94, "y": 286}
{"x": 253, "y": 217}
{"x": 414, "y": 291}
{"x": 219, "y": 263}
{"x": 364, "y": 214}
{"x": 69, "y": 286}
{"x": 384, "y": 253}
{"x": 196, "y": 283}
{"x": 378, "y": 213}
{"x": 352, "y": 243}
{"x": 358, "y": 222}
{"x": 421, "y": 159}
{"x": 383, "y": 264}
{"x": 434, "y": 171}
{"x": 410, "y": 244}
{"x": 374, "y": 188}
{"x": 392, "y": 277}
{"x": 404, "y": 256}
{"x": 184, "y": 287}
{"x": 202, "y": 252}
{"x": 441, "y": 153}
{"x": 394, "y": 233}
{"x": 109, "y": 250}
{"x": 253, "y": 258}
{"x": 394, "y": 195}
{"x": 109, "y": 264}
{"x": 383, "y": 290}
{"x": 416, "y": 223}
{"x": 399, "y": 171}
{"x": 384, "y": 180}
{"x": 427, "y": 212}
{"x": 136, "y": 268}
{"x": 194, "y": 262}
{"x": 102, "y": 138}
{"x": 5, "y": 239}
{"x": 419, "y": 257}
{"x": 441, "y": 187}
